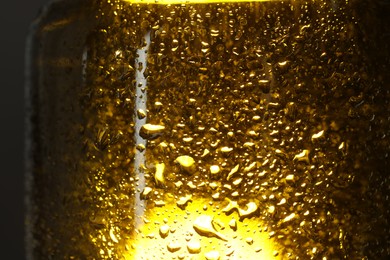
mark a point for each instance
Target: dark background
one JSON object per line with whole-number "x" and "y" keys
{"x": 15, "y": 19}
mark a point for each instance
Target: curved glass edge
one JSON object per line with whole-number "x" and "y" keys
{"x": 33, "y": 75}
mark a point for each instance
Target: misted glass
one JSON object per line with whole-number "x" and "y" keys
{"x": 209, "y": 130}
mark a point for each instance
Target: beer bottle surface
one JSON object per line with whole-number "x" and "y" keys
{"x": 201, "y": 129}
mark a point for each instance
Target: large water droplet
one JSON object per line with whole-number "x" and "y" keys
{"x": 203, "y": 225}
{"x": 149, "y": 131}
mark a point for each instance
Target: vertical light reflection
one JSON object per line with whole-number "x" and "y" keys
{"x": 140, "y": 104}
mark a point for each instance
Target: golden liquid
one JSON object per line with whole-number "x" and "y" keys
{"x": 250, "y": 131}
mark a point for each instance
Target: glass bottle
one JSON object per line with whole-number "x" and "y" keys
{"x": 209, "y": 130}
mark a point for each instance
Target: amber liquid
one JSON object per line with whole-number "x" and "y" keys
{"x": 223, "y": 131}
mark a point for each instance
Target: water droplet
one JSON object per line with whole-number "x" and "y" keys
{"x": 289, "y": 217}
{"x": 194, "y": 246}
{"x": 218, "y": 224}
{"x": 235, "y": 194}
{"x": 98, "y": 220}
{"x": 163, "y": 145}
{"x": 113, "y": 236}
{"x": 203, "y": 225}
{"x": 187, "y": 139}
{"x": 182, "y": 202}
{"x": 151, "y": 236}
{"x": 229, "y": 251}
{"x": 159, "y": 203}
{"x": 282, "y": 63}
{"x": 249, "y": 240}
{"x": 191, "y": 185}
{"x": 248, "y": 144}
{"x": 212, "y": 255}
{"x": 145, "y": 193}
{"x": 271, "y": 209}
{"x": 213, "y": 185}
{"x": 205, "y": 152}
{"x": 264, "y": 85}
{"x": 149, "y": 131}
{"x": 290, "y": 177}
{"x": 233, "y": 224}
{"x": 302, "y": 156}
{"x": 291, "y": 111}
{"x": 237, "y": 181}
{"x": 250, "y": 167}
{"x": 233, "y": 171}
{"x": 175, "y": 45}
{"x": 186, "y": 162}
{"x": 215, "y": 144}
{"x": 158, "y": 104}
{"x": 141, "y": 114}
{"x": 227, "y": 186}
{"x": 141, "y": 147}
{"x": 251, "y": 208}
{"x": 256, "y": 118}
{"x": 178, "y": 184}
{"x": 214, "y": 32}
{"x": 253, "y": 133}
{"x": 173, "y": 246}
{"x": 164, "y": 231}
{"x": 281, "y": 202}
{"x": 214, "y": 169}
{"x": 233, "y": 205}
{"x": 317, "y": 135}
{"x": 226, "y": 149}
{"x": 159, "y": 173}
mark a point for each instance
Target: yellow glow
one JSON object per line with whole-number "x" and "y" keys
{"x": 191, "y": 1}
{"x": 171, "y": 232}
